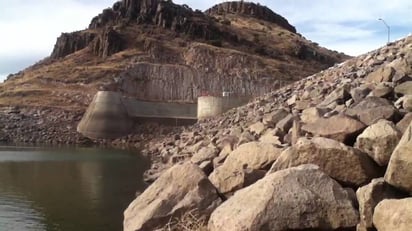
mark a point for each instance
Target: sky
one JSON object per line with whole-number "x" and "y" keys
{"x": 29, "y": 28}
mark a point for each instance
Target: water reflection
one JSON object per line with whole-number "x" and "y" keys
{"x": 78, "y": 189}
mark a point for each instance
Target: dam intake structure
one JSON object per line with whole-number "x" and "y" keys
{"x": 111, "y": 115}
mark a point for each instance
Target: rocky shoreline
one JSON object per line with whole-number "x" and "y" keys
{"x": 346, "y": 129}
{"x": 285, "y": 160}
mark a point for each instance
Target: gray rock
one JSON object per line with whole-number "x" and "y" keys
{"x": 372, "y": 109}
{"x": 359, "y": 93}
{"x": 285, "y": 124}
{"x": 296, "y": 198}
{"x": 338, "y": 96}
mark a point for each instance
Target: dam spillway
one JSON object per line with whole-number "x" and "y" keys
{"x": 110, "y": 115}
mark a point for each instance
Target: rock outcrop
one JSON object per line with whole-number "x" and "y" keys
{"x": 190, "y": 191}
{"x": 295, "y": 198}
{"x": 69, "y": 43}
{"x": 250, "y": 9}
{"x": 108, "y": 43}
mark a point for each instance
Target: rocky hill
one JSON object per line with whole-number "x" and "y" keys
{"x": 294, "y": 158}
{"x": 160, "y": 51}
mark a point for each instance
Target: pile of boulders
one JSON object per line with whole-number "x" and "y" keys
{"x": 330, "y": 152}
{"x": 40, "y": 125}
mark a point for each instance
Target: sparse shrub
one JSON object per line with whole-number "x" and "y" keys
{"x": 188, "y": 222}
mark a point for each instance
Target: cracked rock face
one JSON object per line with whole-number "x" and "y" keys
{"x": 296, "y": 198}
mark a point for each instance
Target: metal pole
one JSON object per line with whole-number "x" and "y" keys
{"x": 389, "y": 29}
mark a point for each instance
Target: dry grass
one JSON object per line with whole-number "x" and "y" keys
{"x": 190, "y": 221}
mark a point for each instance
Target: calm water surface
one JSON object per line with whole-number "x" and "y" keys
{"x": 67, "y": 189}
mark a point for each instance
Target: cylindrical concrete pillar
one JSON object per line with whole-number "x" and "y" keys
{"x": 106, "y": 117}
{"x": 209, "y": 106}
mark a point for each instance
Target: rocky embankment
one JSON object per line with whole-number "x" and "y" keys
{"x": 293, "y": 159}
{"x": 39, "y": 125}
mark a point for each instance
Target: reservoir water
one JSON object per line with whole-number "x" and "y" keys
{"x": 75, "y": 189}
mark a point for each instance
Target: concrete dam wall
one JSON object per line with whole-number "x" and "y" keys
{"x": 110, "y": 115}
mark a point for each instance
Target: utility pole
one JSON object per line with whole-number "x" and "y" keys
{"x": 389, "y": 29}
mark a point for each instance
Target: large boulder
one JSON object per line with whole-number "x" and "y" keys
{"x": 369, "y": 196}
{"x": 182, "y": 188}
{"x": 296, "y": 198}
{"x": 383, "y": 74}
{"x": 379, "y": 140}
{"x": 333, "y": 157}
{"x": 372, "y": 109}
{"x": 399, "y": 171}
{"x": 393, "y": 215}
{"x": 244, "y": 166}
{"x": 339, "y": 127}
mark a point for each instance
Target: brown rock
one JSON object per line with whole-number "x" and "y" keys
{"x": 382, "y": 74}
{"x": 369, "y": 196}
{"x": 204, "y": 154}
{"x": 273, "y": 118}
{"x": 382, "y": 91}
{"x": 378, "y": 141}
{"x": 332, "y": 157}
{"x": 182, "y": 188}
{"x": 399, "y": 171}
{"x": 391, "y": 215}
{"x": 404, "y": 88}
{"x": 238, "y": 169}
{"x": 295, "y": 198}
{"x": 270, "y": 137}
{"x": 312, "y": 114}
{"x": 340, "y": 127}
{"x": 407, "y": 103}
{"x": 257, "y": 128}
{"x": 404, "y": 123}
